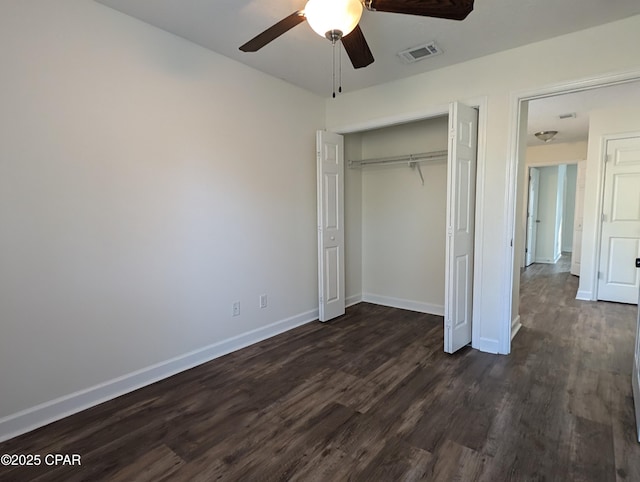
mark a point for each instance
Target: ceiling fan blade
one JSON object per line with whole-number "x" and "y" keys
{"x": 273, "y": 32}
{"x": 450, "y": 9}
{"x": 357, "y": 48}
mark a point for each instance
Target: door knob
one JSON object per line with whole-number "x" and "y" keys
{"x": 637, "y": 262}
{"x": 537, "y": 220}
{"x": 333, "y": 238}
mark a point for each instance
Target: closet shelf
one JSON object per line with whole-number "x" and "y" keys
{"x": 412, "y": 160}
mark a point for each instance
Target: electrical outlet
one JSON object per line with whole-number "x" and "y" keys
{"x": 263, "y": 301}
{"x": 236, "y": 308}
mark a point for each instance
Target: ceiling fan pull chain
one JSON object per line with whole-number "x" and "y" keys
{"x": 333, "y": 65}
{"x": 340, "y": 68}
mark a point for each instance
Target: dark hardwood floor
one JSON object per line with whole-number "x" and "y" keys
{"x": 372, "y": 397}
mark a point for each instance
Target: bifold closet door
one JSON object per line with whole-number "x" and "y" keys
{"x": 461, "y": 195}
{"x": 330, "y": 162}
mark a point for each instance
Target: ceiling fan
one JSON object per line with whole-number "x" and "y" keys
{"x": 338, "y": 20}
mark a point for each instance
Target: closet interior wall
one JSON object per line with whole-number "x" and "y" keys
{"x": 395, "y": 226}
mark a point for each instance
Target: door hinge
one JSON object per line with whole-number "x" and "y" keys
{"x": 452, "y": 133}
{"x": 603, "y": 218}
{"x": 607, "y": 158}
{"x": 449, "y": 231}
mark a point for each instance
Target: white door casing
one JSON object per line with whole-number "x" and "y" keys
{"x": 618, "y": 280}
{"x": 463, "y": 140}
{"x": 578, "y": 217}
{"x": 532, "y": 215}
{"x": 635, "y": 377}
{"x": 330, "y": 178}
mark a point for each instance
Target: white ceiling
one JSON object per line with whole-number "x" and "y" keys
{"x": 544, "y": 114}
{"x": 303, "y": 58}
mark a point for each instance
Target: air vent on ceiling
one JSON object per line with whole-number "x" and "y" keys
{"x": 570, "y": 115}
{"x": 420, "y": 52}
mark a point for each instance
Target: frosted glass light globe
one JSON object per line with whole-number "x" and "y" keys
{"x": 327, "y": 15}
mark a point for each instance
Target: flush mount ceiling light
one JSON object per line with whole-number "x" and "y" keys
{"x": 545, "y": 136}
{"x": 333, "y": 19}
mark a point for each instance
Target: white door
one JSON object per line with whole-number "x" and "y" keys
{"x": 330, "y": 150}
{"x": 618, "y": 280}
{"x": 578, "y": 217}
{"x": 635, "y": 379}
{"x": 461, "y": 194}
{"x": 532, "y": 215}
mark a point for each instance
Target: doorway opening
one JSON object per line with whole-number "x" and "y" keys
{"x": 551, "y": 221}
{"x": 395, "y": 220}
{"x": 601, "y": 96}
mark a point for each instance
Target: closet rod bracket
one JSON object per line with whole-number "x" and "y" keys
{"x": 416, "y": 165}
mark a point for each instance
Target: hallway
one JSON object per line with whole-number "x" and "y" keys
{"x": 580, "y": 354}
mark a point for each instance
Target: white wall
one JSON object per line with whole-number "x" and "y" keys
{"x": 494, "y": 79}
{"x": 554, "y": 154}
{"x": 403, "y": 222}
{"x": 602, "y": 123}
{"x": 353, "y": 219}
{"x": 145, "y": 184}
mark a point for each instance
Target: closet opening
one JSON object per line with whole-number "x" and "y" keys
{"x": 409, "y": 211}
{"x": 395, "y": 226}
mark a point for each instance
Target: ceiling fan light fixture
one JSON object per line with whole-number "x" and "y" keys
{"x": 545, "y": 136}
{"x": 329, "y": 18}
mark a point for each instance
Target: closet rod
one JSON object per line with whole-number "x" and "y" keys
{"x": 422, "y": 156}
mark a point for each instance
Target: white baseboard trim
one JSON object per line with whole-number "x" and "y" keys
{"x": 45, "y": 413}
{"x": 545, "y": 261}
{"x": 487, "y": 345}
{"x": 353, "y": 300}
{"x": 515, "y": 326}
{"x": 404, "y": 304}
{"x": 584, "y": 295}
